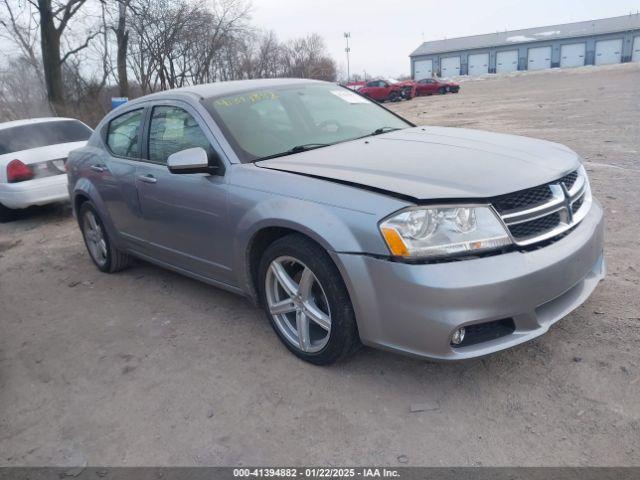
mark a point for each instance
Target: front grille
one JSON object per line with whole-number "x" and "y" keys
{"x": 577, "y": 204}
{"x": 544, "y": 212}
{"x": 569, "y": 179}
{"x": 535, "y": 227}
{"x": 523, "y": 199}
{"x": 484, "y": 332}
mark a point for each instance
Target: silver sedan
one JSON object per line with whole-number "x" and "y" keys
{"x": 345, "y": 222}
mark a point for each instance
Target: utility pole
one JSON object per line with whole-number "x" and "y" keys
{"x": 347, "y": 35}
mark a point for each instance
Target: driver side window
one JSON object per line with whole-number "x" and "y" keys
{"x": 172, "y": 129}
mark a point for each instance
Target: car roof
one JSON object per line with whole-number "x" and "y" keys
{"x": 208, "y": 90}
{"x": 32, "y": 121}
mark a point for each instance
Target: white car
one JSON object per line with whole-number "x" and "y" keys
{"x": 32, "y": 161}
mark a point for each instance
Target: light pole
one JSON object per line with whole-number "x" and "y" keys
{"x": 347, "y": 35}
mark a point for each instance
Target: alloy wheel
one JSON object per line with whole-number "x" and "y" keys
{"x": 298, "y": 304}
{"x": 95, "y": 239}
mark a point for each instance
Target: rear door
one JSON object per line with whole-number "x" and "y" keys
{"x": 112, "y": 172}
{"x": 185, "y": 214}
{"x": 427, "y": 86}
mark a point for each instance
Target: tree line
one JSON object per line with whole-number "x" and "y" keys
{"x": 69, "y": 57}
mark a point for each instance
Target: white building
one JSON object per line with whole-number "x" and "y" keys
{"x": 594, "y": 42}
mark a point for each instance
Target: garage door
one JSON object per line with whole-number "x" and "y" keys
{"x": 423, "y": 69}
{"x": 539, "y": 58}
{"x": 608, "y": 51}
{"x": 507, "y": 61}
{"x": 479, "y": 64}
{"x": 572, "y": 55}
{"x": 635, "y": 56}
{"x": 450, "y": 66}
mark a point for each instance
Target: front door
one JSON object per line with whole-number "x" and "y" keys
{"x": 185, "y": 214}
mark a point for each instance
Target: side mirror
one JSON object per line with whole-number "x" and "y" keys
{"x": 193, "y": 160}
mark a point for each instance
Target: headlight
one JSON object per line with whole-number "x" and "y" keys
{"x": 440, "y": 231}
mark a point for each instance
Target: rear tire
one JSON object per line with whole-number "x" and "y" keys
{"x": 303, "y": 288}
{"x": 104, "y": 255}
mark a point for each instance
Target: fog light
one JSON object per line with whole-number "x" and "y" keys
{"x": 458, "y": 336}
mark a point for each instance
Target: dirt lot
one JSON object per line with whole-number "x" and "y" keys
{"x": 149, "y": 368}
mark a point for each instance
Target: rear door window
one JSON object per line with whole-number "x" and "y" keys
{"x": 36, "y": 135}
{"x": 123, "y": 136}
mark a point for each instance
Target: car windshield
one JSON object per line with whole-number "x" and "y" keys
{"x": 25, "y": 137}
{"x": 283, "y": 120}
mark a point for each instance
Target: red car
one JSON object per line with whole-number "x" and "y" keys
{"x": 355, "y": 85}
{"x": 382, "y": 91}
{"x": 430, "y": 86}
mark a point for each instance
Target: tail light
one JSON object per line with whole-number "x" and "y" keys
{"x": 18, "y": 172}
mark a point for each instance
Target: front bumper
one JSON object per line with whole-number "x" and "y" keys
{"x": 39, "y": 191}
{"x": 414, "y": 309}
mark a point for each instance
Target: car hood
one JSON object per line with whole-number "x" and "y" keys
{"x": 436, "y": 163}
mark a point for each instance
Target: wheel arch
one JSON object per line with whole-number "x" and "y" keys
{"x": 84, "y": 191}
{"x": 261, "y": 226}
{"x": 260, "y": 240}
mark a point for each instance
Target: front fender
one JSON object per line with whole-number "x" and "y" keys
{"x": 334, "y": 228}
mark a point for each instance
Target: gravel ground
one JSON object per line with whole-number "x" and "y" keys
{"x": 147, "y": 367}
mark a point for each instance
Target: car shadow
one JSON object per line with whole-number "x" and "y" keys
{"x": 36, "y": 215}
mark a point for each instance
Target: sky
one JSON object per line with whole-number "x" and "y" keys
{"x": 385, "y": 32}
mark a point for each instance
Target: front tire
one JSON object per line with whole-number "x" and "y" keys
{"x": 306, "y": 301}
{"x": 105, "y": 256}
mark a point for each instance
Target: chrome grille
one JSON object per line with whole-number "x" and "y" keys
{"x": 545, "y": 211}
{"x": 533, "y": 227}
{"x": 569, "y": 179}
{"x": 525, "y": 198}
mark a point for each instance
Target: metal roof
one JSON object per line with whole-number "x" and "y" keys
{"x": 538, "y": 34}
{"x": 207, "y": 90}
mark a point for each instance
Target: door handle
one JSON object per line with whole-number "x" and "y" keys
{"x": 98, "y": 168}
{"x": 147, "y": 178}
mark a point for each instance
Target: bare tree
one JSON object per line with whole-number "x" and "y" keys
{"x": 54, "y": 20}
{"x": 22, "y": 92}
{"x": 86, "y": 50}
{"x": 20, "y": 28}
{"x": 122, "y": 41}
{"x": 307, "y": 58}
